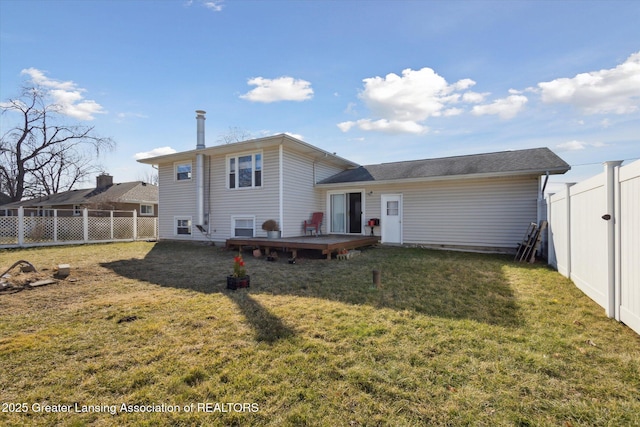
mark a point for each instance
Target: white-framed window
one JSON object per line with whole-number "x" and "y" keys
{"x": 243, "y": 226}
{"x": 182, "y": 171}
{"x": 77, "y": 210}
{"x": 183, "y": 225}
{"x": 146, "y": 210}
{"x": 244, "y": 170}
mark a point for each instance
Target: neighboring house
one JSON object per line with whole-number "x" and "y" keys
{"x": 483, "y": 201}
{"x": 126, "y": 196}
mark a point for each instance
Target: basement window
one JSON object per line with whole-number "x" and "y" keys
{"x": 183, "y": 226}
{"x": 243, "y": 226}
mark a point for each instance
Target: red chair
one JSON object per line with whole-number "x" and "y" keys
{"x": 315, "y": 224}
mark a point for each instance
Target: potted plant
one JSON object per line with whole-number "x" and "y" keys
{"x": 239, "y": 278}
{"x": 272, "y": 229}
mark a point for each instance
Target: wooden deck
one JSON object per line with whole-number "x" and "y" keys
{"x": 327, "y": 244}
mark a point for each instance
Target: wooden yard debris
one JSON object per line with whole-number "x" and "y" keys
{"x": 42, "y": 283}
{"x": 62, "y": 271}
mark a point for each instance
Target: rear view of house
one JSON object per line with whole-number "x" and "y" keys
{"x": 480, "y": 202}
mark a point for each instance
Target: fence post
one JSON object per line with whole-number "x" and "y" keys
{"x": 55, "y": 225}
{"x": 85, "y": 224}
{"x": 111, "y": 223}
{"x": 20, "y": 226}
{"x": 618, "y": 244}
{"x": 135, "y": 224}
{"x": 568, "y": 225}
{"x": 609, "y": 216}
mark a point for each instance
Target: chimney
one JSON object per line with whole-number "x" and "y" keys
{"x": 200, "y": 138}
{"x": 103, "y": 181}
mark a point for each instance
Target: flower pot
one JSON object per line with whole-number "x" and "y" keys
{"x": 238, "y": 282}
{"x": 273, "y": 234}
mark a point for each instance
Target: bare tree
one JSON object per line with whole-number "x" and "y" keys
{"x": 42, "y": 154}
{"x": 235, "y": 134}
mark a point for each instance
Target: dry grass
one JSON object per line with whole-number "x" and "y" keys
{"x": 449, "y": 339}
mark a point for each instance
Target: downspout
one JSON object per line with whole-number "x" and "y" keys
{"x": 281, "y": 186}
{"x": 200, "y": 170}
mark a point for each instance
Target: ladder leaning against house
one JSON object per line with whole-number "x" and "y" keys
{"x": 531, "y": 242}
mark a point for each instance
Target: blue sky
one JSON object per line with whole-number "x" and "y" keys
{"x": 373, "y": 81}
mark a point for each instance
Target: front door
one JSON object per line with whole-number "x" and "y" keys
{"x": 391, "y": 218}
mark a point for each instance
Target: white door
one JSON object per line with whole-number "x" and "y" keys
{"x": 391, "y": 218}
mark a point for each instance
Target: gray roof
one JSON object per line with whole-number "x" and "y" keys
{"x": 536, "y": 161}
{"x": 125, "y": 192}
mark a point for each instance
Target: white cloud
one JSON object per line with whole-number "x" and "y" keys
{"x": 280, "y": 89}
{"x": 474, "y": 97}
{"x": 576, "y": 145}
{"x": 66, "y": 95}
{"x": 402, "y": 103}
{"x": 506, "y": 108}
{"x": 214, "y": 5}
{"x": 384, "y": 125}
{"x": 160, "y": 151}
{"x": 295, "y": 135}
{"x": 615, "y": 90}
{"x": 414, "y": 96}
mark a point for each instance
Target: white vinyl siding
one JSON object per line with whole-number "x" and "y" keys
{"x": 482, "y": 214}
{"x": 259, "y": 202}
{"x": 301, "y": 198}
{"x": 176, "y": 199}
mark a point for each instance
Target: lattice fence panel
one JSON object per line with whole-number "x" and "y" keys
{"x": 99, "y": 228}
{"x": 147, "y": 228}
{"x": 123, "y": 228}
{"x": 8, "y": 230}
{"x": 70, "y": 229}
{"x": 38, "y": 229}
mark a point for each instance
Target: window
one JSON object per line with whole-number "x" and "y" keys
{"x": 243, "y": 226}
{"x": 77, "y": 210}
{"x": 183, "y": 171}
{"x": 245, "y": 171}
{"x": 146, "y": 209}
{"x": 183, "y": 226}
{"x": 393, "y": 208}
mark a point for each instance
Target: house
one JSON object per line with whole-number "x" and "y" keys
{"x": 477, "y": 202}
{"x": 126, "y": 196}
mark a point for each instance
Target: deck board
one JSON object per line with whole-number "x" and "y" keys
{"x": 327, "y": 244}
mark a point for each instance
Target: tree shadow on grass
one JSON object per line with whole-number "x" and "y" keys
{"x": 436, "y": 283}
{"x": 268, "y": 328}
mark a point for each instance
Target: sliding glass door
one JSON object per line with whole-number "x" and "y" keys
{"x": 345, "y": 211}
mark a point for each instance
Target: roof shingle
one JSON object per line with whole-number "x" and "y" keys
{"x": 533, "y": 161}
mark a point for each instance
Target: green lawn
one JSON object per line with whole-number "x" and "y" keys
{"x": 449, "y": 339}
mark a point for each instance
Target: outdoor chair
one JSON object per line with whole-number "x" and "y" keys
{"x": 314, "y": 224}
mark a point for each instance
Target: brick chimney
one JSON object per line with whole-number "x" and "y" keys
{"x": 103, "y": 181}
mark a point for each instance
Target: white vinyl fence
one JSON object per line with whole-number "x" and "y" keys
{"x": 29, "y": 227}
{"x": 594, "y": 239}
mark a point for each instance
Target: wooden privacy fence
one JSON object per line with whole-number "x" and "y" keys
{"x": 594, "y": 239}
{"x": 36, "y": 227}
